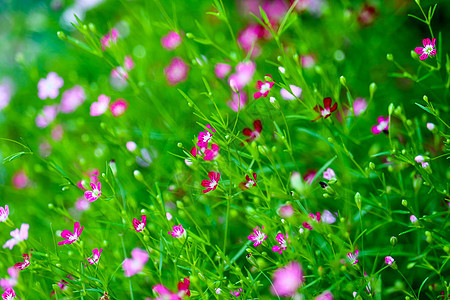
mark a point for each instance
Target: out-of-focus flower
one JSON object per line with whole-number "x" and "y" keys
{"x": 413, "y": 219}
{"x": 248, "y": 38}
{"x": 248, "y": 183}
{"x": 328, "y": 217}
{"x": 286, "y": 211}
{"x": 431, "y": 126}
{"x": 383, "y": 125}
{"x": 171, "y": 41}
{"x": 288, "y": 95}
{"x": 128, "y": 63}
{"x": 48, "y": 115}
{"x": 131, "y": 146}
{"x": 4, "y": 213}
{"x": 72, "y": 99}
{"x": 359, "y": 106}
{"x": 5, "y": 93}
{"x": 308, "y": 61}
{"x": 427, "y": 49}
{"x": 329, "y": 174}
{"x": 57, "y": 133}
{"x": 236, "y": 293}
{"x": 49, "y": 87}
{"x": 238, "y": 101}
{"x": 136, "y": 263}
{"x": 287, "y": 280}
{"x": 253, "y": 134}
{"x": 176, "y": 71}
{"x": 109, "y": 39}
{"x": 10, "y": 282}
{"x": 327, "y": 295}
{"x": 242, "y": 76}
{"x": 82, "y": 204}
{"x": 17, "y": 236}
{"x": 221, "y": 70}
{"x": 69, "y": 236}
{"x": 101, "y": 106}
{"x": 20, "y": 180}
{"x": 367, "y": 14}
{"x": 211, "y": 184}
{"x": 118, "y": 107}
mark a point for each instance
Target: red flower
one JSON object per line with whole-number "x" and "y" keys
{"x": 212, "y": 183}
{"x": 248, "y": 183}
{"x": 183, "y": 286}
{"x": 253, "y": 134}
{"x": 326, "y": 110}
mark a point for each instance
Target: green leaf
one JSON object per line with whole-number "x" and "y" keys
{"x": 424, "y": 108}
{"x": 14, "y": 156}
{"x": 417, "y": 18}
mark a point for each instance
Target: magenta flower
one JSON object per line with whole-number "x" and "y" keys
{"x": 82, "y": 204}
{"x": 413, "y": 219}
{"x": 25, "y": 263}
{"x": 164, "y": 293}
{"x": 211, "y": 184}
{"x": 307, "y": 225}
{"x": 20, "y": 180}
{"x": 101, "y": 106}
{"x": 62, "y": 285}
{"x": 128, "y": 63}
{"x": 359, "y": 106}
{"x": 253, "y": 134}
{"x": 353, "y": 259}
{"x": 10, "y": 282}
{"x": 383, "y": 125}
{"x": 282, "y": 241}
{"x": 71, "y": 99}
{"x": 389, "y": 260}
{"x": 327, "y": 295}
{"x": 286, "y": 211}
{"x": 6, "y": 91}
{"x": 205, "y": 137}
{"x": 248, "y": 183}
{"x": 4, "y": 213}
{"x": 288, "y": 95}
{"x": 109, "y": 39}
{"x": 171, "y": 41}
{"x": 287, "y": 280}
{"x": 183, "y": 287}
{"x": 176, "y": 71}
{"x": 221, "y": 70}
{"x": 242, "y": 76}
{"x": 329, "y": 174}
{"x": 211, "y": 153}
{"x": 238, "y": 101}
{"x": 139, "y": 225}
{"x": 49, "y": 87}
{"x": 236, "y": 293}
{"x": 48, "y": 115}
{"x": 263, "y": 88}
{"x": 96, "y": 192}
{"x": 95, "y": 256}
{"x": 428, "y": 48}
{"x": 17, "y": 236}
{"x": 135, "y": 264}
{"x": 309, "y": 177}
{"x": 118, "y": 107}
{"x": 71, "y": 237}
{"x": 120, "y": 73}
{"x": 315, "y": 217}
{"x": 178, "y": 231}
{"x": 258, "y": 236}
{"x": 9, "y": 294}
{"x": 326, "y": 110}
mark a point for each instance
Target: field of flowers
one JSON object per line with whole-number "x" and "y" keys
{"x": 224, "y": 149}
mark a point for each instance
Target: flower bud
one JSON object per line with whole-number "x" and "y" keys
{"x": 180, "y": 145}
{"x": 252, "y": 260}
{"x": 393, "y": 241}
{"x": 343, "y": 81}
{"x": 391, "y": 108}
{"x": 404, "y": 203}
{"x": 372, "y": 88}
{"x": 268, "y": 78}
{"x": 358, "y": 200}
{"x": 274, "y": 102}
{"x": 189, "y": 35}
{"x": 425, "y": 98}
{"x": 372, "y": 166}
{"x": 390, "y": 57}
{"x": 138, "y": 175}
{"x": 61, "y": 35}
{"x": 282, "y": 70}
{"x": 414, "y": 55}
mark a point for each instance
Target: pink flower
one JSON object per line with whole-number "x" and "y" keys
{"x": 62, "y": 285}
{"x": 430, "y": 126}
{"x": 258, "y": 236}
{"x": 253, "y": 134}
{"x": 48, "y": 115}
{"x": 9, "y": 294}
{"x": 212, "y": 153}
{"x": 211, "y": 184}
{"x": 109, "y": 39}
{"x": 263, "y": 88}
{"x": 176, "y": 71}
{"x": 327, "y": 295}
{"x": 205, "y": 137}
{"x": 93, "y": 176}
{"x": 288, "y": 95}
{"x": 275, "y": 10}
{"x": 315, "y": 217}
{"x": 428, "y": 48}
{"x": 329, "y": 174}
{"x": 57, "y": 133}
{"x": 287, "y": 280}
{"x": 49, "y": 87}
{"x": 359, "y": 106}
{"x": 120, "y": 73}
{"x": 383, "y": 125}
{"x": 413, "y": 219}
{"x": 328, "y": 217}
{"x": 286, "y": 211}
{"x": 101, "y": 106}
{"x": 96, "y": 192}
{"x": 95, "y": 256}
{"x": 248, "y": 38}
{"x": 171, "y": 41}
{"x": 135, "y": 264}
{"x": 118, "y": 107}
{"x": 131, "y": 146}
{"x": 128, "y": 63}
{"x": 221, "y": 70}
{"x": 282, "y": 241}
{"x": 139, "y": 225}
{"x": 238, "y": 101}
{"x": 389, "y": 260}
{"x": 164, "y": 293}
{"x": 309, "y": 177}
{"x": 326, "y": 110}
{"x": 26, "y": 261}
{"x": 235, "y": 293}
{"x": 10, "y": 282}
{"x": 419, "y": 159}
{"x": 353, "y": 258}
{"x": 72, "y": 99}
{"x": 367, "y": 14}
{"x": 82, "y": 204}
{"x": 178, "y": 231}
{"x": 17, "y": 236}
{"x": 5, "y": 93}
{"x": 308, "y": 61}
{"x": 168, "y": 216}
{"x": 69, "y": 236}
{"x": 242, "y": 76}
{"x": 4, "y": 213}
{"x": 248, "y": 183}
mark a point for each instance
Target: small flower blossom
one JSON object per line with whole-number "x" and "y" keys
{"x": 238, "y": 101}
{"x": 308, "y": 61}
{"x": 171, "y": 41}
{"x": 63, "y": 285}
{"x": 71, "y": 237}
{"x": 135, "y": 264}
{"x": 164, "y": 293}
{"x": 95, "y": 256}
{"x": 20, "y": 180}
{"x": 82, "y": 204}
{"x": 168, "y": 216}
{"x": 328, "y": 217}
{"x": 286, "y": 211}
{"x": 25, "y": 263}
{"x": 430, "y": 126}
{"x": 96, "y": 192}
{"x": 49, "y": 87}
{"x": 326, "y": 110}
{"x": 258, "y": 236}
{"x": 383, "y": 125}
{"x": 109, "y": 39}
{"x": 242, "y": 76}
{"x": 353, "y": 258}
{"x": 282, "y": 241}
{"x": 248, "y": 39}
{"x": 359, "y": 106}
{"x": 287, "y": 280}
{"x": 120, "y": 73}
{"x": 248, "y": 183}
{"x": 419, "y": 159}
{"x": 176, "y": 71}
{"x": 178, "y": 231}
{"x": 131, "y": 146}
{"x": 315, "y": 217}
{"x": 253, "y": 134}
{"x": 413, "y": 219}
{"x": 327, "y": 295}
{"x": 71, "y": 99}
{"x": 118, "y": 107}
{"x": 17, "y": 236}
{"x": 389, "y": 260}
{"x": 9, "y": 294}
{"x": 367, "y": 14}
{"x": 10, "y": 282}
{"x": 236, "y": 293}
{"x": 211, "y": 184}
{"x": 263, "y": 88}
{"x": 306, "y": 225}
{"x": 427, "y": 49}
{"x": 329, "y": 174}
{"x": 183, "y": 287}
{"x": 47, "y": 116}
{"x": 221, "y": 70}
{"x": 4, "y": 213}
{"x": 6, "y": 91}
{"x": 128, "y": 63}
{"x": 205, "y": 137}
{"x": 140, "y": 225}
{"x": 101, "y": 106}
{"x": 309, "y": 177}
{"x": 288, "y": 95}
